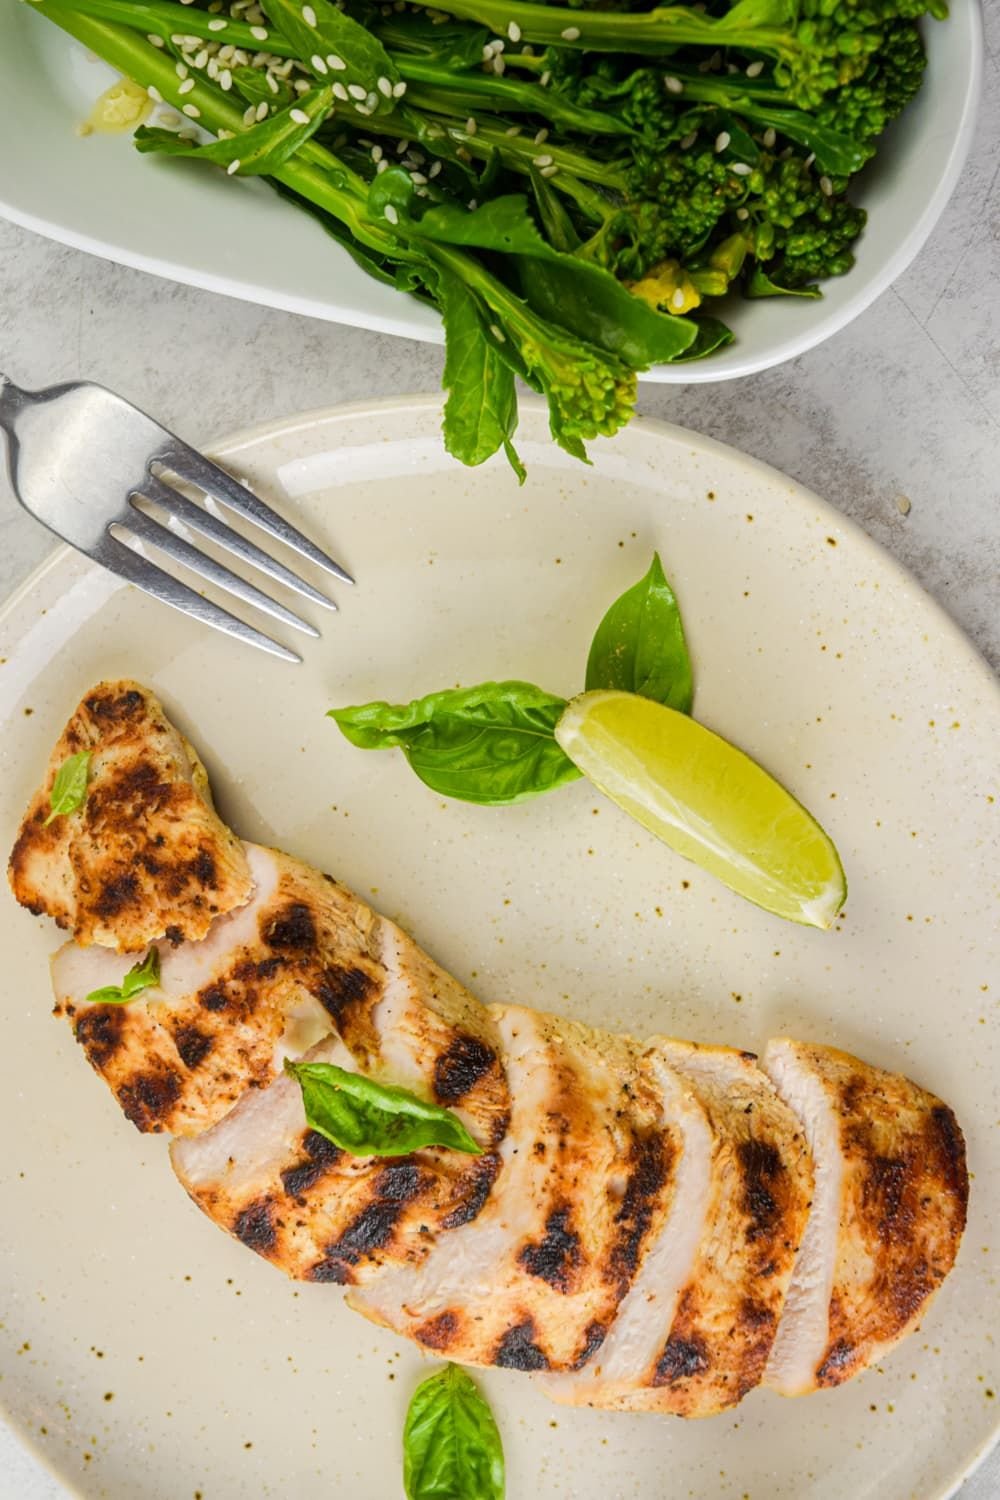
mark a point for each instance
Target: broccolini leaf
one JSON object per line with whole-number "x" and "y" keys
{"x": 760, "y": 284}
{"x": 259, "y": 150}
{"x": 480, "y": 414}
{"x": 359, "y": 57}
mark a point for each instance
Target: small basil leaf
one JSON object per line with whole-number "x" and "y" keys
{"x": 761, "y": 285}
{"x": 451, "y": 1445}
{"x": 144, "y": 975}
{"x": 262, "y": 149}
{"x": 69, "y": 789}
{"x": 639, "y": 646}
{"x": 480, "y": 414}
{"x": 374, "y": 1119}
{"x": 492, "y": 744}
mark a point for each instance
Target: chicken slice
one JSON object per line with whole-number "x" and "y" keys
{"x": 888, "y": 1213}
{"x": 693, "y": 1334}
{"x": 586, "y": 1176}
{"x": 322, "y": 1215}
{"x": 301, "y": 958}
{"x": 146, "y": 855}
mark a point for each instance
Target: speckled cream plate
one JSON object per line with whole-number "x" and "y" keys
{"x": 148, "y": 1357}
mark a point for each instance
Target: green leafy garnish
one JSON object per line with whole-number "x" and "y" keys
{"x": 374, "y": 1119}
{"x": 451, "y": 1445}
{"x": 261, "y": 150}
{"x": 492, "y": 744}
{"x": 69, "y": 789}
{"x": 144, "y": 975}
{"x": 640, "y": 647}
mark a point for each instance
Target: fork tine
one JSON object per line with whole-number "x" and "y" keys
{"x": 188, "y": 463}
{"x": 218, "y": 531}
{"x": 158, "y": 534}
{"x": 120, "y": 559}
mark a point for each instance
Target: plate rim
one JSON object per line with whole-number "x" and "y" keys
{"x": 432, "y": 402}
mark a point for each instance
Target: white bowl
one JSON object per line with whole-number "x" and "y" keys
{"x": 183, "y": 222}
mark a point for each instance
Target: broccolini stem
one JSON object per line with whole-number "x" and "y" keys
{"x": 466, "y": 90}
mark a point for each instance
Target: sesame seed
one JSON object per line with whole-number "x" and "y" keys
{"x": 418, "y": 179}
{"x": 472, "y": 205}
{"x": 513, "y": 130}
{"x": 742, "y": 213}
{"x": 202, "y": 58}
{"x": 154, "y": 93}
{"x": 769, "y": 137}
{"x": 391, "y": 214}
{"x": 362, "y": 109}
{"x": 192, "y": 111}
{"x": 339, "y": 92}
{"x": 570, "y": 34}
{"x": 155, "y": 41}
{"x": 543, "y": 161}
{"x": 185, "y": 87}
{"x": 498, "y": 333}
{"x": 335, "y": 63}
{"x": 755, "y": 69}
{"x": 541, "y": 135}
{"x": 234, "y": 166}
{"x": 673, "y": 85}
{"x": 499, "y": 66}
{"x": 262, "y": 111}
{"x": 826, "y": 187}
{"x": 471, "y": 125}
{"x": 809, "y": 159}
{"x": 318, "y": 64}
{"x": 356, "y": 91}
{"x": 298, "y": 115}
{"x": 487, "y": 52}
{"x": 545, "y": 78}
{"x": 434, "y": 169}
{"x": 549, "y": 171}
{"x": 171, "y": 120}
{"x": 376, "y": 153}
{"x": 309, "y": 15}
{"x": 399, "y": 89}
{"x": 180, "y": 69}
{"x": 259, "y": 33}
{"x": 688, "y": 141}
{"x": 741, "y": 169}
{"x": 722, "y": 140}
{"x": 217, "y": 25}
{"x": 187, "y": 135}
{"x": 381, "y": 167}
{"x": 677, "y": 299}
{"x": 249, "y": 114}
{"x": 301, "y": 85}
{"x": 514, "y": 31}
{"x": 371, "y": 99}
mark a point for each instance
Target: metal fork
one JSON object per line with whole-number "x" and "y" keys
{"x": 83, "y": 460}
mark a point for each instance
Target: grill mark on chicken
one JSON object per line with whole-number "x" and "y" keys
{"x": 148, "y": 1096}
{"x": 99, "y": 1032}
{"x": 117, "y": 895}
{"x": 460, "y": 1068}
{"x": 681, "y": 1359}
{"x": 394, "y": 1187}
{"x": 517, "y": 1350}
{"x": 321, "y": 1156}
{"x": 114, "y": 707}
{"x": 291, "y": 929}
{"x": 341, "y": 992}
{"x": 763, "y": 1168}
{"x": 254, "y": 1227}
{"x": 556, "y": 1257}
{"x": 482, "y": 1177}
{"x": 651, "y": 1161}
{"x": 438, "y": 1332}
{"x": 193, "y": 1046}
{"x": 594, "y": 1337}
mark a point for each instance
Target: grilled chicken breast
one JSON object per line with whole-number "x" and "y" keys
{"x": 146, "y": 855}
{"x": 889, "y": 1211}
{"x": 695, "y": 1331}
{"x": 650, "y": 1226}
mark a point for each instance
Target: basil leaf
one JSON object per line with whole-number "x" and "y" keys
{"x": 492, "y": 744}
{"x": 480, "y": 414}
{"x": 69, "y": 789}
{"x": 364, "y": 60}
{"x": 260, "y": 150}
{"x": 144, "y": 975}
{"x": 639, "y": 646}
{"x": 451, "y": 1445}
{"x": 374, "y": 1119}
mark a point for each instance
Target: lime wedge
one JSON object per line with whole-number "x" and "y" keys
{"x": 708, "y": 801}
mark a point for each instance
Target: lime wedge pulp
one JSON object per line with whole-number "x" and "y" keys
{"x": 708, "y": 801}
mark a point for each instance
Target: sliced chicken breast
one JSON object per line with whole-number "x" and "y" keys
{"x": 267, "y": 982}
{"x": 888, "y": 1214}
{"x": 586, "y": 1176}
{"x": 695, "y": 1331}
{"x": 145, "y": 856}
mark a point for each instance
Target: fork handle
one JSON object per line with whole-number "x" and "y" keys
{"x": 12, "y": 401}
